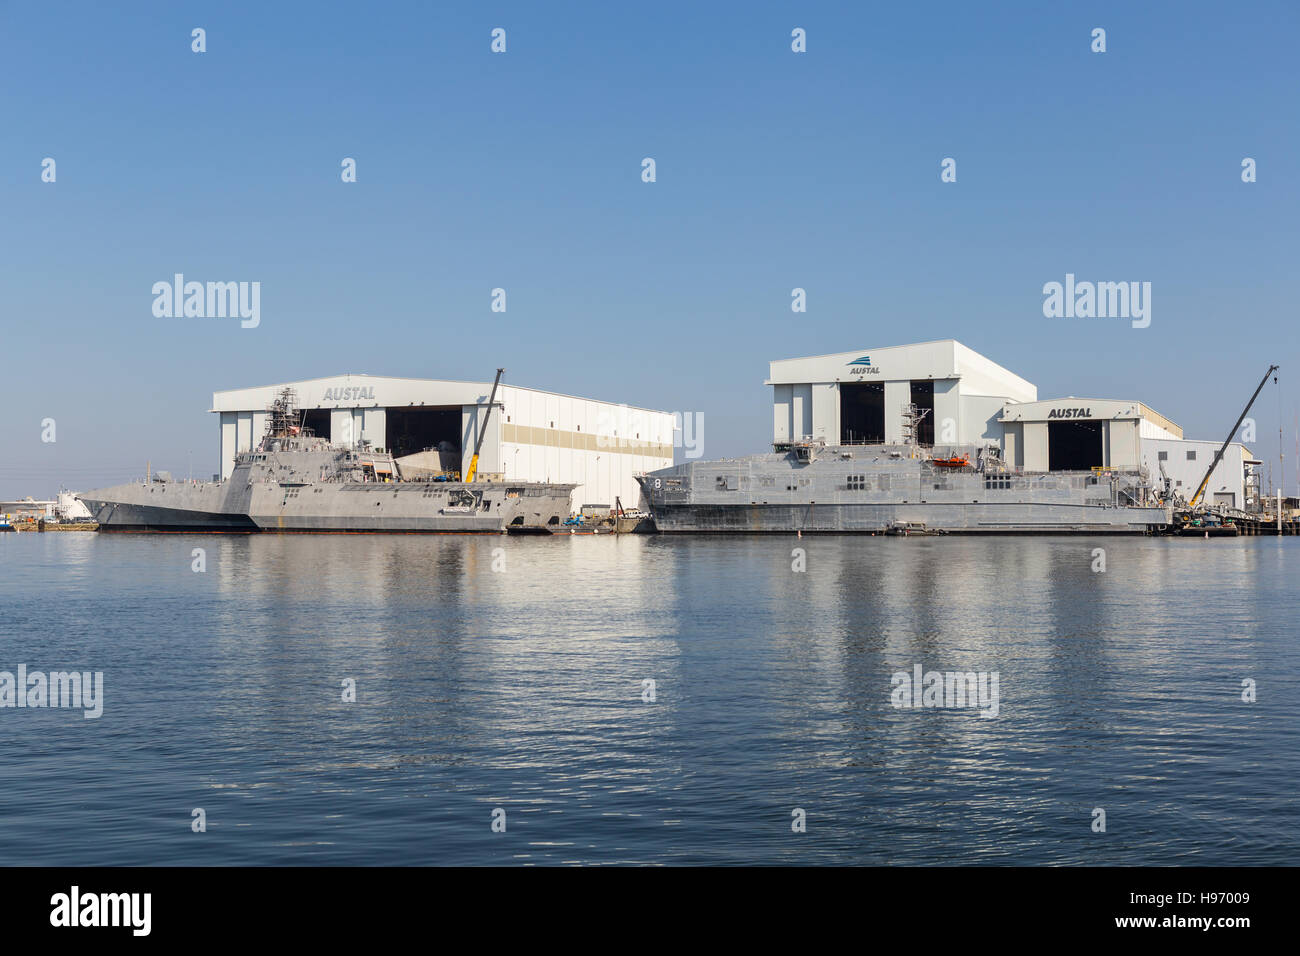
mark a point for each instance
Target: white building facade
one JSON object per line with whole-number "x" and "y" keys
{"x": 860, "y": 396}
{"x": 1071, "y": 433}
{"x": 1234, "y": 483}
{"x": 532, "y": 435}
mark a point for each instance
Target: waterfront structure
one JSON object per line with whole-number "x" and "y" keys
{"x": 934, "y": 437}
{"x": 859, "y": 397}
{"x": 964, "y": 398}
{"x": 294, "y": 481}
{"x": 532, "y": 435}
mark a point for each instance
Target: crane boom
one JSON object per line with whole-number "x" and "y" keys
{"x": 1227, "y": 441}
{"x": 482, "y": 429}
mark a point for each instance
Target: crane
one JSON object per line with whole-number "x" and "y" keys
{"x": 1200, "y": 490}
{"x": 482, "y": 428}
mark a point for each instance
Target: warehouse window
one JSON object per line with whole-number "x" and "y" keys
{"x": 1191, "y": 456}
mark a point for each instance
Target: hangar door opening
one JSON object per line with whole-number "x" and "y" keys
{"x": 318, "y": 420}
{"x": 408, "y": 431}
{"x": 862, "y": 412}
{"x": 1073, "y": 446}
{"x": 923, "y": 399}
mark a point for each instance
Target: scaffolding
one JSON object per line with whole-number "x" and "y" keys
{"x": 913, "y": 415}
{"x": 284, "y": 418}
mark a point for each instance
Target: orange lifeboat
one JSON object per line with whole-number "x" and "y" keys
{"x": 956, "y": 461}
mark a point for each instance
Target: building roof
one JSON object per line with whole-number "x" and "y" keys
{"x": 939, "y": 359}
{"x": 442, "y": 392}
{"x": 1106, "y": 408}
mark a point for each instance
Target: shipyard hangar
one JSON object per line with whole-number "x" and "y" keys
{"x": 432, "y": 427}
{"x": 866, "y": 396}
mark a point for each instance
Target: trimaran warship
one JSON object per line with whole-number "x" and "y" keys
{"x": 294, "y": 481}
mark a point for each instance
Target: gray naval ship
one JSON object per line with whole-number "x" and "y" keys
{"x": 296, "y": 482}
{"x": 809, "y": 486}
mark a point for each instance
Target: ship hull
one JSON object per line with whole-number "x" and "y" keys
{"x": 323, "y": 508}
{"x": 200, "y": 508}
{"x": 876, "y": 489}
{"x": 408, "y": 508}
{"x": 1018, "y": 518}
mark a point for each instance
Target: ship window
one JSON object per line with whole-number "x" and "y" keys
{"x": 1191, "y": 456}
{"x": 1163, "y": 456}
{"x": 857, "y": 482}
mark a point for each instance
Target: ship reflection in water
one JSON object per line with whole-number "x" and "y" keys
{"x": 514, "y": 672}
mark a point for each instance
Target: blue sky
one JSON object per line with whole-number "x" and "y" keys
{"x": 522, "y": 170}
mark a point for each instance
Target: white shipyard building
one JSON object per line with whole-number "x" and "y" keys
{"x": 531, "y": 435}
{"x": 860, "y": 397}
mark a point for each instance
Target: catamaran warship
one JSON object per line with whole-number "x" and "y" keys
{"x": 297, "y": 482}
{"x": 810, "y": 486}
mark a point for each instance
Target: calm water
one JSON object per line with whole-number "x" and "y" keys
{"x": 522, "y": 689}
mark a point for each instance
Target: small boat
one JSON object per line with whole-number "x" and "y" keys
{"x": 956, "y": 461}
{"x": 1209, "y": 531}
{"x": 909, "y": 529}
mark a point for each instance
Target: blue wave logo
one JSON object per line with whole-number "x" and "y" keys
{"x": 865, "y": 360}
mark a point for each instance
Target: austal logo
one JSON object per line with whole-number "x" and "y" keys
{"x": 57, "y": 689}
{"x": 354, "y": 394}
{"x": 862, "y": 366}
{"x": 1070, "y": 413}
{"x": 1102, "y": 300}
{"x": 102, "y": 909}
{"x": 213, "y": 300}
